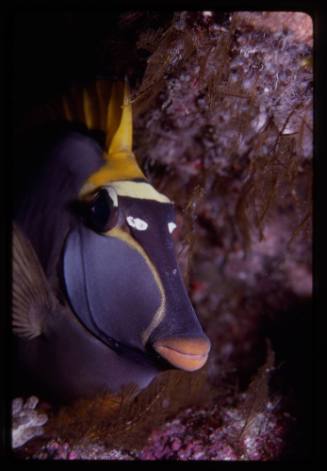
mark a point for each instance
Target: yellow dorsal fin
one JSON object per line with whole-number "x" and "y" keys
{"x": 120, "y": 120}
{"x": 106, "y": 106}
{"x": 103, "y": 90}
{"x": 113, "y": 113}
{"x": 120, "y": 162}
{"x": 88, "y": 110}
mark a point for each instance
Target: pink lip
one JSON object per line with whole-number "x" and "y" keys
{"x": 187, "y": 354}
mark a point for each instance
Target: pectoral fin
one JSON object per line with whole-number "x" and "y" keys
{"x": 32, "y": 297}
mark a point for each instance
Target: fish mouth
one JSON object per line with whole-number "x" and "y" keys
{"x": 186, "y": 354}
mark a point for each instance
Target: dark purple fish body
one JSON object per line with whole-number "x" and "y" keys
{"x": 98, "y": 298}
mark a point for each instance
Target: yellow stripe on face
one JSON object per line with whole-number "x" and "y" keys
{"x": 140, "y": 190}
{"x": 160, "y": 312}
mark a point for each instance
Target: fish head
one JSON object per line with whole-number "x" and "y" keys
{"x": 123, "y": 280}
{"x": 120, "y": 269}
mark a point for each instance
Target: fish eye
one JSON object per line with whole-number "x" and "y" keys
{"x": 102, "y": 210}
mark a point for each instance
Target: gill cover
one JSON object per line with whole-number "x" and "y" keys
{"x": 110, "y": 286}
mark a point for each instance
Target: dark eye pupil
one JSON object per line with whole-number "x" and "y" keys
{"x": 100, "y": 211}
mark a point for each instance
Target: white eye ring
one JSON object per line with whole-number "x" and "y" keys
{"x": 113, "y": 195}
{"x": 171, "y": 227}
{"x": 137, "y": 223}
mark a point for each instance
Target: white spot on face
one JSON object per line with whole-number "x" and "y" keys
{"x": 137, "y": 223}
{"x": 171, "y": 227}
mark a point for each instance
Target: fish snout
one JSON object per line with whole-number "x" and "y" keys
{"x": 188, "y": 354}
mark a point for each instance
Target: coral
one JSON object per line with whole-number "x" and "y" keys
{"x": 244, "y": 127}
{"x": 249, "y": 426}
{"x": 26, "y": 421}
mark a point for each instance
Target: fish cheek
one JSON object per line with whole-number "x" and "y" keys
{"x": 110, "y": 286}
